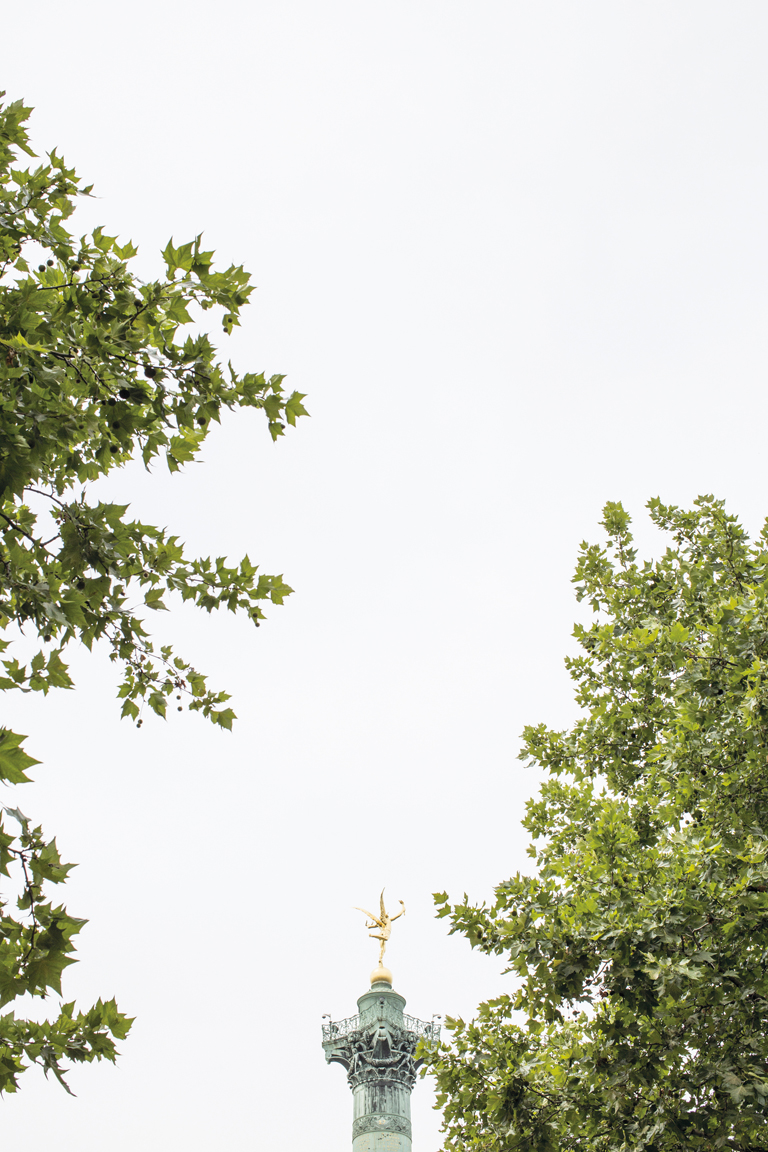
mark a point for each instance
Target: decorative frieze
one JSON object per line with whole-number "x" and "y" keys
{"x": 376, "y": 1122}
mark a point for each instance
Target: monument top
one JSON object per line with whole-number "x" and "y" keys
{"x": 380, "y": 1049}
{"x": 381, "y": 926}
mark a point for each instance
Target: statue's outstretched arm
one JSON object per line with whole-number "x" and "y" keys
{"x": 400, "y": 913}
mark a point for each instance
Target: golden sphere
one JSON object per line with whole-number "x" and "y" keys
{"x": 381, "y": 974}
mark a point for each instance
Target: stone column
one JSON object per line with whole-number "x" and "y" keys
{"x": 377, "y": 1048}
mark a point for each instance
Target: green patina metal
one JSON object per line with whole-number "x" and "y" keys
{"x": 377, "y": 1048}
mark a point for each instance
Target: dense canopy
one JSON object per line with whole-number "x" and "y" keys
{"x": 638, "y": 948}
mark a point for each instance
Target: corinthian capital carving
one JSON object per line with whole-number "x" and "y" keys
{"x": 382, "y": 1051}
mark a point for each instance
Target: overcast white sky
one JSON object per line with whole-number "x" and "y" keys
{"x": 515, "y": 254}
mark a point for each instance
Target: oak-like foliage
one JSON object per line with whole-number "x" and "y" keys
{"x": 94, "y": 370}
{"x": 640, "y": 944}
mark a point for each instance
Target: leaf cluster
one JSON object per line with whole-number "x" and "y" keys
{"x": 36, "y": 948}
{"x": 98, "y": 367}
{"x": 640, "y": 944}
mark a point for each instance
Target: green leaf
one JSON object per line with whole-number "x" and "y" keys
{"x": 13, "y": 759}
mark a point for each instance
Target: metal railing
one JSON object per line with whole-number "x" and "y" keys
{"x": 335, "y": 1028}
{"x": 424, "y": 1029}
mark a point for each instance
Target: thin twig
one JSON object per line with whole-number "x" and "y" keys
{"x": 18, "y": 528}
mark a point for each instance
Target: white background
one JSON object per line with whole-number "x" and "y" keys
{"x": 515, "y": 254}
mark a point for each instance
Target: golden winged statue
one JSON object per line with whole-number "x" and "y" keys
{"x": 382, "y": 925}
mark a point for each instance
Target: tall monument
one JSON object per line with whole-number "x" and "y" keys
{"x": 377, "y": 1049}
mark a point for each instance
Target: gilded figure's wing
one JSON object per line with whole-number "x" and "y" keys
{"x": 367, "y": 913}
{"x": 383, "y": 909}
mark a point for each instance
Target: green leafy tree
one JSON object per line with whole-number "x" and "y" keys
{"x": 639, "y": 948}
{"x": 94, "y": 371}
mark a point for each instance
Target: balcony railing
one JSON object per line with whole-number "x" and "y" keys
{"x": 428, "y": 1030}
